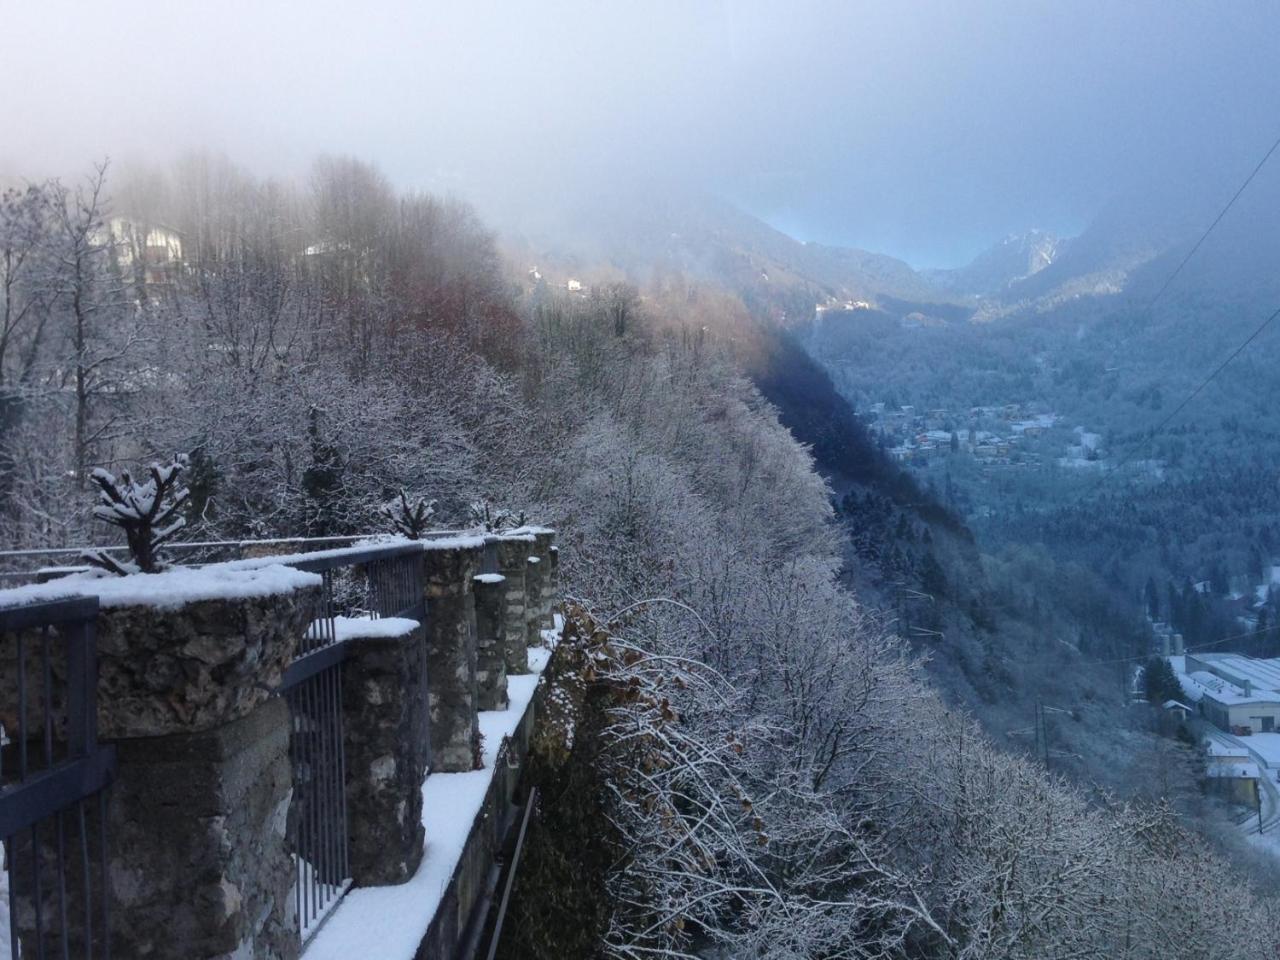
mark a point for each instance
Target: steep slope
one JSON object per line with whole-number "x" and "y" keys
{"x": 661, "y": 229}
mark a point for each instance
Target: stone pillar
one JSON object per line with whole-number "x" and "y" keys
{"x": 381, "y": 703}
{"x": 533, "y": 601}
{"x": 198, "y": 862}
{"x": 449, "y": 568}
{"x": 556, "y": 591}
{"x": 513, "y": 556}
{"x": 491, "y": 614}
{"x": 542, "y": 540}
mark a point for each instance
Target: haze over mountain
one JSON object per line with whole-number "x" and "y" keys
{"x": 899, "y": 379}
{"x": 926, "y": 130}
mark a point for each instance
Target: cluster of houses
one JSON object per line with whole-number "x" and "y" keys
{"x": 835, "y": 306}
{"x": 992, "y": 435}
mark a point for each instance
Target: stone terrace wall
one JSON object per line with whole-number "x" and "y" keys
{"x": 199, "y": 859}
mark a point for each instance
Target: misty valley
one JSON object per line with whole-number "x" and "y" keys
{"x": 671, "y": 482}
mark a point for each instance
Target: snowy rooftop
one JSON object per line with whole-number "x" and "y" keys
{"x": 1246, "y": 769}
{"x": 1225, "y": 683}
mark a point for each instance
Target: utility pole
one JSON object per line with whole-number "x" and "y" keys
{"x": 1042, "y": 734}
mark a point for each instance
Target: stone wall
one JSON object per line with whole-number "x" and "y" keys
{"x": 491, "y": 614}
{"x": 198, "y": 863}
{"x": 513, "y": 557}
{"x": 382, "y": 698}
{"x": 198, "y": 859}
{"x": 451, "y": 654}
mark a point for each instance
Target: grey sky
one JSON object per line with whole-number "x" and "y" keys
{"x": 922, "y": 129}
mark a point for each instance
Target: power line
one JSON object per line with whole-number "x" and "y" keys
{"x": 1203, "y": 383}
{"x": 1165, "y": 286}
{"x": 1216, "y": 220}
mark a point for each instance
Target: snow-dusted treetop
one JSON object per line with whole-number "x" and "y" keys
{"x": 146, "y": 510}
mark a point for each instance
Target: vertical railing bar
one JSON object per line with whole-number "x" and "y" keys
{"x": 47, "y": 693}
{"x": 325, "y": 792}
{"x": 335, "y": 747}
{"x": 313, "y": 767}
{"x": 300, "y": 798}
{"x": 11, "y": 875}
{"x": 322, "y": 789}
{"x": 308, "y": 786}
{"x": 308, "y": 807}
{"x": 316, "y": 798}
{"x": 300, "y": 791}
{"x": 80, "y": 734}
{"x": 88, "y": 886}
{"x": 343, "y": 832}
{"x": 106, "y": 895}
{"x": 62, "y": 885}
{"x": 293, "y": 825}
{"x": 35, "y": 878}
{"x": 22, "y": 708}
{"x": 332, "y": 634}
{"x": 335, "y": 859}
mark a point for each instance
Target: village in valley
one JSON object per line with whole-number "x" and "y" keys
{"x": 1007, "y": 435}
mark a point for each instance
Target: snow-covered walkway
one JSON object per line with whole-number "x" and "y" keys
{"x": 396, "y": 918}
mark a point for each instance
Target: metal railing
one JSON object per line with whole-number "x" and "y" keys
{"x": 54, "y": 776}
{"x": 372, "y": 583}
{"x": 27, "y": 566}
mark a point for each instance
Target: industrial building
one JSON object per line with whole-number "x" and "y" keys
{"x": 1235, "y": 693}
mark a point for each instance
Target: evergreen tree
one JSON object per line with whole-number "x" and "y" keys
{"x": 933, "y": 579}
{"x": 1160, "y": 681}
{"x": 1153, "y": 599}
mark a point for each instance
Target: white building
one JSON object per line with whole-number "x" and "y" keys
{"x": 1234, "y": 692}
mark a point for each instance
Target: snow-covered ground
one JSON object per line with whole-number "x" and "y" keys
{"x": 398, "y": 916}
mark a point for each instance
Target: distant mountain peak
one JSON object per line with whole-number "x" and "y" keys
{"x": 1016, "y": 257}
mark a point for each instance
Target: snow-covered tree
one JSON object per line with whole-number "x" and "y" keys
{"x": 147, "y": 510}
{"x": 409, "y": 518}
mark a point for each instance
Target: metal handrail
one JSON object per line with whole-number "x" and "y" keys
{"x": 59, "y": 786}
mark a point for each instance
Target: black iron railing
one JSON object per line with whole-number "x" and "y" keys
{"x": 54, "y": 777}
{"x": 371, "y": 583}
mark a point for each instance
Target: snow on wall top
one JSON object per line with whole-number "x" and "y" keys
{"x": 530, "y": 530}
{"x": 350, "y": 628}
{"x": 168, "y": 590}
{"x": 490, "y": 577}
{"x": 363, "y": 546}
{"x": 462, "y": 542}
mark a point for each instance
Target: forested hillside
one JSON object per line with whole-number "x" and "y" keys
{"x": 1003, "y": 630}
{"x": 1108, "y": 341}
{"x": 751, "y": 759}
